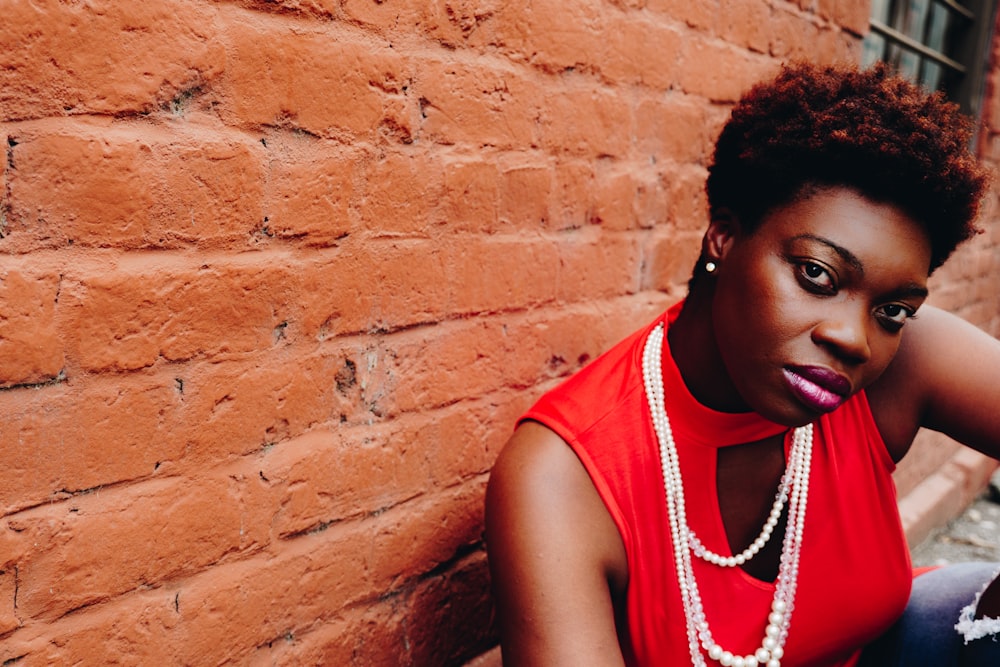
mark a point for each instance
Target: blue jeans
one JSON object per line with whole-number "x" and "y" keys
{"x": 925, "y": 635}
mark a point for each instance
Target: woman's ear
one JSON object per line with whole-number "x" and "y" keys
{"x": 723, "y": 229}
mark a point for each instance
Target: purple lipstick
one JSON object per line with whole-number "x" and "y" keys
{"x": 820, "y": 389}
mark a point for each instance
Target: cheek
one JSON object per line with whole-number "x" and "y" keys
{"x": 883, "y": 350}
{"x": 753, "y": 308}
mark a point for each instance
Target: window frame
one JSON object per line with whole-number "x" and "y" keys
{"x": 968, "y": 57}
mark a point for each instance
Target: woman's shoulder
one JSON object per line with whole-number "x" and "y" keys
{"x": 554, "y": 554}
{"x": 944, "y": 377}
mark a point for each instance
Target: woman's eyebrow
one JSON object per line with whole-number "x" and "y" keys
{"x": 908, "y": 290}
{"x": 844, "y": 253}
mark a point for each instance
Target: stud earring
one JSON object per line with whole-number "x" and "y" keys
{"x": 710, "y": 267}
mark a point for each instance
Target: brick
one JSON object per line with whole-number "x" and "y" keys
{"x": 648, "y": 204}
{"x": 312, "y": 81}
{"x": 9, "y": 620}
{"x": 554, "y": 36}
{"x": 525, "y": 189}
{"x": 669, "y": 259}
{"x": 746, "y": 24}
{"x": 461, "y": 441}
{"x": 720, "y": 72}
{"x": 310, "y": 199}
{"x": 132, "y": 190}
{"x": 327, "y": 477}
{"x": 827, "y": 9}
{"x": 238, "y": 408}
{"x": 478, "y": 106}
{"x": 417, "y": 537}
{"x": 571, "y": 202}
{"x": 30, "y": 347}
{"x": 104, "y": 197}
{"x": 129, "y": 318}
{"x": 613, "y": 199}
{"x": 104, "y": 57}
{"x": 324, "y": 254}
{"x": 397, "y": 284}
{"x": 852, "y": 15}
{"x": 5, "y": 189}
{"x": 674, "y": 128}
{"x": 458, "y": 23}
{"x": 640, "y": 51}
{"x": 382, "y": 15}
{"x": 592, "y": 268}
{"x": 467, "y": 358}
{"x": 380, "y": 286}
{"x": 318, "y": 8}
{"x": 837, "y": 46}
{"x": 87, "y": 548}
{"x": 587, "y": 121}
{"x": 73, "y": 430}
{"x": 792, "y": 37}
{"x": 226, "y": 612}
{"x": 206, "y": 194}
{"x": 471, "y": 197}
{"x": 401, "y": 191}
{"x": 502, "y": 273}
{"x": 688, "y": 203}
{"x": 375, "y": 634}
{"x": 699, "y": 15}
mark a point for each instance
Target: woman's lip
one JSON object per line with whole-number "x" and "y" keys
{"x": 820, "y": 389}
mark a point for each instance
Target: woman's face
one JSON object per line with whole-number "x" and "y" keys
{"x": 809, "y": 308}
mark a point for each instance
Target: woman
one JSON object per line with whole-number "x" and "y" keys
{"x": 717, "y": 488}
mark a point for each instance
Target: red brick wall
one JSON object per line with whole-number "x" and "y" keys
{"x": 277, "y": 276}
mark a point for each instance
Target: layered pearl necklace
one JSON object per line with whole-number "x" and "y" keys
{"x": 794, "y": 486}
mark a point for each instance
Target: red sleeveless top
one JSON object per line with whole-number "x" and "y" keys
{"x": 855, "y": 573}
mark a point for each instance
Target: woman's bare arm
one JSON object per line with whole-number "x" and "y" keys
{"x": 555, "y": 556}
{"x": 945, "y": 377}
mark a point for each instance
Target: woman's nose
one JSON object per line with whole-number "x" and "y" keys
{"x": 844, "y": 331}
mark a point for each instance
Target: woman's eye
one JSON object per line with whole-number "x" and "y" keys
{"x": 894, "y": 315}
{"x": 816, "y": 276}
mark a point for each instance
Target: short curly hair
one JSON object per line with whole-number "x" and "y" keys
{"x": 869, "y": 130}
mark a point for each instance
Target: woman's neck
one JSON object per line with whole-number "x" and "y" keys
{"x": 692, "y": 345}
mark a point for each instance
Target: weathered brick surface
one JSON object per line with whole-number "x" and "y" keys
{"x": 105, "y": 57}
{"x": 121, "y": 188}
{"x": 277, "y": 278}
{"x": 30, "y": 347}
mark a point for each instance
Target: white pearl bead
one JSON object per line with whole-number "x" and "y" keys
{"x": 793, "y": 489}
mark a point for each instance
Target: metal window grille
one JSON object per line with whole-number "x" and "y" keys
{"x": 940, "y": 44}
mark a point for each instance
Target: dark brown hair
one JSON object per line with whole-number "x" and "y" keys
{"x": 864, "y": 129}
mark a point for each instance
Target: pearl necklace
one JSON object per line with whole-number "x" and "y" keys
{"x": 703, "y": 552}
{"x": 778, "y": 621}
